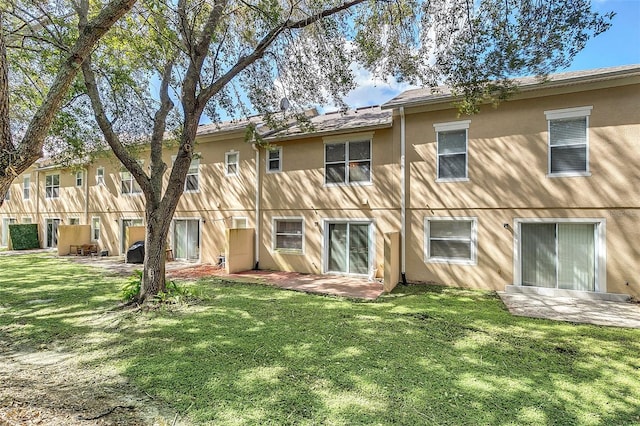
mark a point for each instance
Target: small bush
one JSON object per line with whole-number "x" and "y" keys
{"x": 131, "y": 289}
{"x": 174, "y": 293}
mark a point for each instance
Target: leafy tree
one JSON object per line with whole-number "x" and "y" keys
{"x": 168, "y": 63}
{"x": 40, "y": 57}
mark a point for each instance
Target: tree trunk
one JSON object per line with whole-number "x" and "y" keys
{"x": 153, "y": 277}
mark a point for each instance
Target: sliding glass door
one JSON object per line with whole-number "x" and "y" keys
{"x": 186, "y": 239}
{"x": 348, "y": 247}
{"x": 559, "y": 255}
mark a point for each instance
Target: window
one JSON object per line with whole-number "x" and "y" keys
{"x": 288, "y": 234}
{"x": 274, "y": 160}
{"x": 192, "y": 182}
{"x": 128, "y": 183}
{"x": 27, "y": 219}
{"x": 452, "y": 147}
{"x": 450, "y": 240}
{"x": 79, "y": 178}
{"x": 74, "y": 221}
{"x": 52, "y": 186}
{"x": 26, "y": 187}
{"x": 238, "y": 222}
{"x": 231, "y": 162}
{"x": 7, "y": 195}
{"x": 347, "y": 162}
{"x": 95, "y": 228}
{"x": 100, "y": 176}
{"x": 568, "y": 141}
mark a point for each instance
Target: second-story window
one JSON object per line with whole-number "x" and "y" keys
{"x": 52, "y": 186}
{"x": 7, "y": 195}
{"x": 568, "y": 141}
{"x": 452, "y": 147}
{"x": 192, "y": 182}
{"x": 26, "y": 187}
{"x": 79, "y": 178}
{"x": 347, "y": 162}
{"x": 274, "y": 159}
{"x": 129, "y": 185}
{"x": 100, "y": 176}
{"x": 232, "y": 163}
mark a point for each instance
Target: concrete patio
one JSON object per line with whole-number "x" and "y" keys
{"x": 587, "y": 311}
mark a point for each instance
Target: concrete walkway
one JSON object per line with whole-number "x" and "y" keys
{"x": 599, "y": 312}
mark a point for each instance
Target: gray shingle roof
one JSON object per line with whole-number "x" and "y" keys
{"x": 443, "y": 93}
{"x": 372, "y": 117}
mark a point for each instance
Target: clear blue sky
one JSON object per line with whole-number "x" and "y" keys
{"x": 618, "y": 46}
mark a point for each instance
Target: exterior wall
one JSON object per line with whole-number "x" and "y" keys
{"x": 508, "y": 179}
{"x": 299, "y": 191}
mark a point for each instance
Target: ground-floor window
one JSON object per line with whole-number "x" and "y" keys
{"x": 560, "y": 254}
{"x": 186, "y": 239}
{"x": 450, "y": 240}
{"x": 288, "y": 235}
{"x": 348, "y": 247}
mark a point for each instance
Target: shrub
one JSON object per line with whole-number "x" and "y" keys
{"x": 24, "y": 236}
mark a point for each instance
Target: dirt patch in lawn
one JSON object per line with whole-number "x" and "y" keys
{"x": 48, "y": 386}
{"x": 195, "y": 272}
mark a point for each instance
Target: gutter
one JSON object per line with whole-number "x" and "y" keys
{"x": 257, "y": 208}
{"x": 403, "y": 196}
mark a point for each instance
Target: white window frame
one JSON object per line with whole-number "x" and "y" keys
{"x": 79, "y": 177}
{"x": 100, "y": 176}
{"x": 7, "y": 195}
{"x": 453, "y": 126}
{"x": 227, "y": 163}
{"x": 346, "y": 141}
{"x": 26, "y": 187}
{"x": 52, "y": 186}
{"x": 277, "y": 149}
{"x": 473, "y": 240}
{"x": 235, "y": 220}
{"x": 568, "y": 113}
{"x": 274, "y": 235}
{"x": 27, "y": 220}
{"x": 195, "y": 162}
{"x": 95, "y": 230}
{"x": 600, "y": 245}
{"x": 133, "y": 182}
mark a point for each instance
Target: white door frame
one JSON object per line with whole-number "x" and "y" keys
{"x": 325, "y": 244}
{"x": 173, "y": 240}
{"x": 600, "y": 247}
{"x": 46, "y": 231}
{"x": 6, "y": 221}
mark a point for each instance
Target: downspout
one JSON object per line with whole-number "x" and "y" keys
{"x": 403, "y": 196}
{"x": 86, "y": 197}
{"x": 257, "y": 207}
{"x": 37, "y": 218}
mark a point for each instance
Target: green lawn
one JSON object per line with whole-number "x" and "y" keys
{"x": 251, "y": 354}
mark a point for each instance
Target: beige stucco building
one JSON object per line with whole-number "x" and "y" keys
{"x": 540, "y": 192}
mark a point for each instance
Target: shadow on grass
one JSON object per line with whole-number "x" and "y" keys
{"x": 423, "y": 355}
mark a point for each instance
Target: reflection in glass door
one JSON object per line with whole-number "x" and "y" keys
{"x": 51, "y": 225}
{"x": 186, "y": 239}
{"x": 348, "y": 247}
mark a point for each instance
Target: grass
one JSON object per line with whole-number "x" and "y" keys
{"x": 248, "y": 354}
